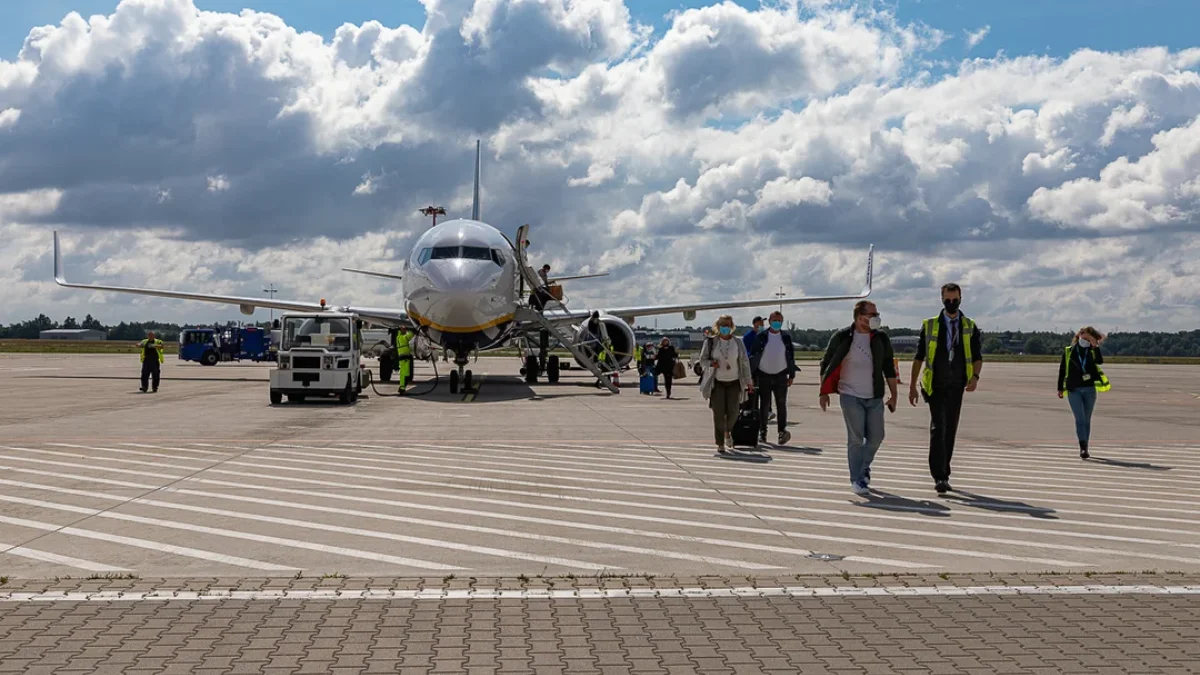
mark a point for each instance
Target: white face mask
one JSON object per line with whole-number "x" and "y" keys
{"x": 875, "y": 322}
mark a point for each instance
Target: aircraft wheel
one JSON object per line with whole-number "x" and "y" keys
{"x": 531, "y": 369}
{"x": 468, "y": 381}
{"x": 276, "y": 397}
{"x": 454, "y": 382}
{"x": 552, "y": 368}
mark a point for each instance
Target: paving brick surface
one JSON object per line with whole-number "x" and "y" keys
{"x": 987, "y": 633}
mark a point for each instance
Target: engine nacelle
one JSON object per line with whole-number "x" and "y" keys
{"x": 620, "y": 334}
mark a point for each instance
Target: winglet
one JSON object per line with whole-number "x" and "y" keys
{"x": 58, "y": 266}
{"x": 475, "y": 200}
{"x": 870, "y": 270}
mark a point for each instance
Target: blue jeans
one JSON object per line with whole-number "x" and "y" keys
{"x": 864, "y": 432}
{"x": 1083, "y": 401}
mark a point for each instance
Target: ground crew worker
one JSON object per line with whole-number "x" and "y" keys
{"x": 151, "y": 351}
{"x": 404, "y": 338}
{"x": 1080, "y": 376}
{"x": 950, "y": 350}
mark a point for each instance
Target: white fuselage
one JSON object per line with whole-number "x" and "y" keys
{"x": 460, "y": 283}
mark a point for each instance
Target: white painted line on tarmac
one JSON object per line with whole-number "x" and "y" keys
{"x": 691, "y": 523}
{"x": 205, "y": 460}
{"x": 577, "y": 542}
{"x": 65, "y": 560}
{"x": 179, "y": 449}
{"x": 797, "y": 592}
{"x": 565, "y": 562}
{"x": 144, "y": 543}
{"x": 232, "y": 534}
{"x": 542, "y": 521}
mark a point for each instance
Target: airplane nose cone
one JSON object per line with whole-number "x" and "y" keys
{"x": 462, "y": 297}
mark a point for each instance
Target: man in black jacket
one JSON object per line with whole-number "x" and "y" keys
{"x": 948, "y": 361}
{"x": 856, "y": 363}
{"x": 773, "y": 362}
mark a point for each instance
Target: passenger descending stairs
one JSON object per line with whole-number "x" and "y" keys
{"x": 526, "y": 313}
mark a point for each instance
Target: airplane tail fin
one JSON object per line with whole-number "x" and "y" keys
{"x": 870, "y": 270}
{"x": 475, "y": 200}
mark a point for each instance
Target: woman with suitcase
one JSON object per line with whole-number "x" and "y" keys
{"x": 727, "y": 380}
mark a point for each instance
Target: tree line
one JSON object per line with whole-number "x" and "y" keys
{"x": 31, "y": 329}
{"x": 1144, "y": 343}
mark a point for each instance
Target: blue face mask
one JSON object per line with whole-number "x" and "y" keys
{"x": 725, "y": 330}
{"x": 776, "y": 325}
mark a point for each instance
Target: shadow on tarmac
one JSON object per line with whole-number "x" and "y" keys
{"x": 886, "y": 501}
{"x": 1000, "y": 505}
{"x": 1120, "y": 463}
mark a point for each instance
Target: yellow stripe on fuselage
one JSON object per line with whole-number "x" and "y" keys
{"x": 459, "y": 329}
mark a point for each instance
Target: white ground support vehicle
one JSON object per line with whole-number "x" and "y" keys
{"x": 319, "y": 355}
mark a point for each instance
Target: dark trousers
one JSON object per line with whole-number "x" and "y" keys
{"x": 668, "y": 376}
{"x": 150, "y": 369}
{"x": 772, "y": 386}
{"x": 945, "y": 407}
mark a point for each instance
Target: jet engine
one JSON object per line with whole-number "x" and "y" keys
{"x": 620, "y": 335}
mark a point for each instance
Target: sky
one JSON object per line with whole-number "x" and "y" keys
{"x": 1044, "y": 155}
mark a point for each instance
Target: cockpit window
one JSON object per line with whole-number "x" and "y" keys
{"x": 460, "y": 253}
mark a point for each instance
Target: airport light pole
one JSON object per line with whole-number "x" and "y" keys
{"x": 780, "y": 295}
{"x": 270, "y": 291}
{"x": 434, "y": 211}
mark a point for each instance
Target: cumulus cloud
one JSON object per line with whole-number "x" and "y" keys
{"x": 736, "y": 151}
{"x": 974, "y": 37}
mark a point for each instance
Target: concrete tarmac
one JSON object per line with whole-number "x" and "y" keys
{"x": 206, "y": 478}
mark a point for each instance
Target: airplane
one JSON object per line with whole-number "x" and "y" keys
{"x": 464, "y": 286}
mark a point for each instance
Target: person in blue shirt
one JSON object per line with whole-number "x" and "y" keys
{"x": 750, "y": 336}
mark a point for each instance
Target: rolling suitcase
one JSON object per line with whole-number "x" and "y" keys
{"x": 646, "y": 384}
{"x": 746, "y": 428}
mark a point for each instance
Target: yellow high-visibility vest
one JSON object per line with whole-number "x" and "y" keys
{"x": 402, "y": 343}
{"x": 1102, "y": 385}
{"x": 932, "y": 329}
{"x": 158, "y": 346}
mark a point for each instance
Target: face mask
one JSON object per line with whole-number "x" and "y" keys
{"x": 952, "y": 304}
{"x": 776, "y": 325}
{"x": 725, "y": 330}
{"x": 760, "y": 329}
{"x": 875, "y": 322}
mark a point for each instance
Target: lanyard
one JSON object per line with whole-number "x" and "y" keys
{"x": 1081, "y": 354}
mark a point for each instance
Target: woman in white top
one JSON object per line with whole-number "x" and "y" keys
{"x": 727, "y": 379}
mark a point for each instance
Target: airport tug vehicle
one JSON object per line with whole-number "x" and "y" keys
{"x": 320, "y": 354}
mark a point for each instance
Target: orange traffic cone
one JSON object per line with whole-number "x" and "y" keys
{"x": 896, "y": 366}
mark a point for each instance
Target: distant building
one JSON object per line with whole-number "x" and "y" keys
{"x": 905, "y": 343}
{"x": 73, "y": 334}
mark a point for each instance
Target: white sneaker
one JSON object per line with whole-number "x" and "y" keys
{"x": 860, "y": 489}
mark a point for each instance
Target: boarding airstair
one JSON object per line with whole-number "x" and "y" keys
{"x": 528, "y": 313}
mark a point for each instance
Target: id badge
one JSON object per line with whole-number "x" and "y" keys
{"x": 1087, "y": 378}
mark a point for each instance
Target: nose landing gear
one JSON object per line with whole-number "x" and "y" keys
{"x": 461, "y": 378}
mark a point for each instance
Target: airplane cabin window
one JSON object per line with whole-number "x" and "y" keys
{"x": 444, "y": 253}
{"x": 424, "y": 258}
{"x": 497, "y": 257}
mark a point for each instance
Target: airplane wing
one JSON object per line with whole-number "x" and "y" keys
{"x": 689, "y": 310}
{"x": 381, "y": 275}
{"x": 578, "y": 276}
{"x": 389, "y": 317}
